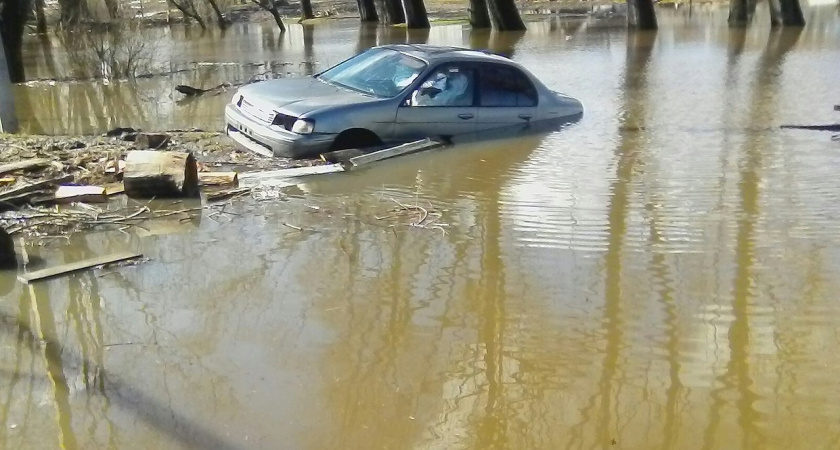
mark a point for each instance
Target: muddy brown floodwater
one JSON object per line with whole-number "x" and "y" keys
{"x": 662, "y": 274}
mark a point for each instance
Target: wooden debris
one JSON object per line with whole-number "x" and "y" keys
{"x": 28, "y": 164}
{"x": 341, "y": 156}
{"x": 7, "y": 250}
{"x": 400, "y": 150}
{"x": 151, "y": 140}
{"x": 7, "y": 180}
{"x": 160, "y": 174}
{"x": 230, "y": 193}
{"x": 23, "y": 193}
{"x": 217, "y": 178}
{"x": 84, "y": 194}
{"x": 258, "y": 178}
{"x": 830, "y": 127}
{"x": 52, "y": 272}
{"x": 114, "y": 189}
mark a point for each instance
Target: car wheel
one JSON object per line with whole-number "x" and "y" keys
{"x": 356, "y": 138}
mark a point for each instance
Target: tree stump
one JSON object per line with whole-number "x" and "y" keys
{"x": 160, "y": 174}
{"x": 7, "y": 251}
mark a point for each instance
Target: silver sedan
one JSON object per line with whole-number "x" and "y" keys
{"x": 393, "y": 94}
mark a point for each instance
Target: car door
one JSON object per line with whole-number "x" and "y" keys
{"x": 506, "y": 97}
{"x": 443, "y": 104}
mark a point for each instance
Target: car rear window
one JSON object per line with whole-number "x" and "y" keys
{"x": 505, "y": 86}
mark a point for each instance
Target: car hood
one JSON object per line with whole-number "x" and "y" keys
{"x": 298, "y": 96}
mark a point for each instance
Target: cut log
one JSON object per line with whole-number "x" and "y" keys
{"x": 29, "y": 164}
{"x": 400, "y": 150}
{"x": 217, "y": 178}
{"x": 22, "y": 194}
{"x": 151, "y": 140}
{"x": 84, "y": 194}
{"x": 52, "y": 272}
{"x": 160, "y": 174}
{"x": 7, "y": 251}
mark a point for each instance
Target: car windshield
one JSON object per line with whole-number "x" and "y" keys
{"x": 380, "y": 72}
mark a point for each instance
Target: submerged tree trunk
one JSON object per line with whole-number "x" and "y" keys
{"x": 415, "y": 14}
{"x": 13, "y": 19}
{"x": 393, "y": 12}
{"x": 775, "y": 13}
{"x": 505, "y": 15}
{"x": 40, "y": 17}
{"x": 741, "y": 12}
{"x": 367, "y": 11}
{"x": 188, "y": 11}
{"x": 479, "y": 14}
{"x": 272, "y": 7}
{"x": 306, "y": 9}
{"x": 641, "y": 15}
{"x": 792, "y": 13}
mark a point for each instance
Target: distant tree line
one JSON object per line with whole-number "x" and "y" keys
{"x": 501, "y": 15}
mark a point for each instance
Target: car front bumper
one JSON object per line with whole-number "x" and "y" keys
{"x": 271, "y": 141}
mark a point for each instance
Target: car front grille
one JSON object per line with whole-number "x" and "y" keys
{"x": 255, "y": 111}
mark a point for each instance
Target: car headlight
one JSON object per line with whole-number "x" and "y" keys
{"x": 303, "y": 126}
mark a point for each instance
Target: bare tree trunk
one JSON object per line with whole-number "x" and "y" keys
{"x": 641, "y": 15}
{"x": 775, "y": 12}
{"x": 189, "y": 12}
{"x": 367, "y": 11}
{"x": 13, "y": 19}
{"x": 479, "y": 14}
{"x": 393, "y": 11}
{"x": 505, "y": 15}
{"x": 792, "y": 13}
{"x": 40, "y": 17}
{"x": 71, "y": 11}
{"x": 220, "y": 18}
{"x": 113, "y": 8}
{"x": 8, "y": 118}
{"x": 415, "y": 14}
{"x": 741, "y": 12}
{"x": 277, "y": 19}
{"x": 306, "y": 9}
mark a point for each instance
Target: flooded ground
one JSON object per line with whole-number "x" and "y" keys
{"x": 662, "y": 274}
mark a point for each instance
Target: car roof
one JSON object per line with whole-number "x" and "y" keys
{"x": 435, "y": 53}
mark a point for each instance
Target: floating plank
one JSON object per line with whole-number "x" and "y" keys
{"x": 52, "y": 272}
{"x": 400, "y": 150}
{"x": 28, "y": 164}
{"x": 19, "y": 193}
{"x": 276, "y": 177}
{"x": 340, "y": 156}
{"x": 217, "y": 178}
{"x": 84, "y": 194}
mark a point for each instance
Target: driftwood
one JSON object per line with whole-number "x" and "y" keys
{"x": 190, "y": 91}
{"x": 160, "y": 174}
{"x": 217, "y": 178}
{"x": 24, "y": 165}
{"x": 151, "y": 140}
{"x": 23, "y": 194}
{"x": 830, "y": 127}
{"x": 7, "y": 250}
{"x": 52, "y": 272}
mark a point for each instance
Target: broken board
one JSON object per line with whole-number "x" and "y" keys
{"x": 276, "y": 176}
{"x": 52, "y": 272}
{"x": 392, "y": 152}
{"x": 84, "y": 194}
{"x": 24, "y": 165}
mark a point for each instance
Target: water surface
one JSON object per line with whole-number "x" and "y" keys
{"x": 661, "y": 274}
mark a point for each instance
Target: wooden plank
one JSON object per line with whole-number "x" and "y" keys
{"x": 293, "y": 172}
{"x": 84, "y": 194}
{"x": 400, "y": 150}
{"x": 24, "y": 165}
{"x": 114, "y": 188}
{"x": 340, "y": 156}
{"x": 217, "y": 178}
{"x": 16, "y": 193}
{"x": 63, "y": 269}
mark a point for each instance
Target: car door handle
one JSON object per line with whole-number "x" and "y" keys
{"x": 525, "y": 116}
{"x": 465, "y": 116}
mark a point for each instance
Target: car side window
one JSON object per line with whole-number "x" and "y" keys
{"x": 449, "y": 85}
{"x": 505, "y": 86}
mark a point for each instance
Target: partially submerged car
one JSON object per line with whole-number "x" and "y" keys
{"x": 389, "y": 95}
